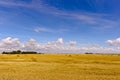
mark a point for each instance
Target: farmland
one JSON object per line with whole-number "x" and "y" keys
{"x": 59, "y": 67}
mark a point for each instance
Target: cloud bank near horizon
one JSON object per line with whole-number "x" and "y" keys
{"x": 115, "y": 42}
{"x": 58, "y": 46}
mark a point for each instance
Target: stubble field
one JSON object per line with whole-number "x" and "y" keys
{"x": 59, "y": 67}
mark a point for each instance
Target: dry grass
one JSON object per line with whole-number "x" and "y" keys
{"x": 60, "y": 67}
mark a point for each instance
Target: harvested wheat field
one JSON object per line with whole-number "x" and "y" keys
{"x": 59, "y": 67}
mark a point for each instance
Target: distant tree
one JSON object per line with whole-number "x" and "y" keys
{"x": 21, "y": 52}
{"x": 3, "y": 52}
{"x": 18, "y": 52}
{"x": 88, "y": 53}
{"x": 13, "y": 52}
{"x": 29, "y": 52}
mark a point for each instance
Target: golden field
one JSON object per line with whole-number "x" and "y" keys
{"x": 59, "y": 67}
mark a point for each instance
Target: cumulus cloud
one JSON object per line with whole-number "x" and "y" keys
{"x": 60, "y": 41}
{"x": 115, "y": 42}
{"x": 10, "y": 42}
{"x": 30, "y": 45}
{"x": 58, "y": 46}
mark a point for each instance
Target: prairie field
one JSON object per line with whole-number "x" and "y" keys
{"x": 59, "y": 67}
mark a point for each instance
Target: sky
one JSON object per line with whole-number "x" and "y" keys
{"x": 60, "y": 26}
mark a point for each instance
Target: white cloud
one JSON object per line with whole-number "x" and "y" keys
{"x": 59, "y": 46}
{"x": 37, "y": 29}
{"x": 115, "y": 42}
{"x": 9, "y": 42}
{"x": 48, "y": 30}
{"x": 72, "y": 43}
{"x": 60, "y": 41}
{"x": 30, "y": 44}
{"x": 8, "y": 3}
{"x": 54, "y": 44}
{"x": 43, "y": 29}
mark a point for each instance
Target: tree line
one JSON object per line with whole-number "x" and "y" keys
{"x": 21, "y": 52}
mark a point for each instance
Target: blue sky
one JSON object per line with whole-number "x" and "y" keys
{"x": 62, "y": 23}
